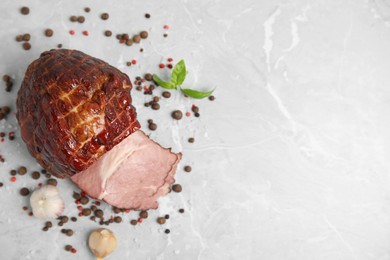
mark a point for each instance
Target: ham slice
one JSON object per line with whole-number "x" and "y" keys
{"x": 132, "y": 175}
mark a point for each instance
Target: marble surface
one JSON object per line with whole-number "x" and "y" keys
{"x": 290, "y": 160}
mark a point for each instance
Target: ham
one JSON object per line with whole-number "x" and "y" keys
{"x": 77, "y": 120}
{"x": 133, "y": 175}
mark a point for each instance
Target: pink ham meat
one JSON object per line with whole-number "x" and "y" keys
{"x": 132, "y": 175}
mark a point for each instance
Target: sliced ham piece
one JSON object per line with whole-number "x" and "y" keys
{"x": 132, "y": 175}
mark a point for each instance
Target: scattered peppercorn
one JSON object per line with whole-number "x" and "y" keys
{"x": 48, "y": 224}
{"x": 196, "y": 114}
{"x": 35, "y": 175}
{"x": 117, "y": 219}
{"x": 24, "y": 192}
{"x": 81, "y": 19}
{"x": 73, "y": 219}
{"x": 52, "y": 182}
{"x": 177, "y": 188}
{"x": 144, "y": 34}
{"x": 63, "y": 219}
{"x": 1, "y": 184}
{"x": 211, "y": 98}
{"x": 152, "y": 126}
{"x": 25, "y": 10}
{"x": 26, "y": 37}
{"x": 104, "y": 16}
{"x": 129, "y": 42}
{"x": 177, "y": 114}
{"x": 188, "y": 168}
{"x": 69, "y": 232}
{"x": 136, "y": 38}
{"x": 161, "y": 220}
{"x": 84, "y": 200}
{"x": 148, "y": 77}
{"x": 87, "y": 9}
{"x": 22, "y": 170}
{"x": 147, "y": 16}
{"x": 59, "y": 46}
{"x": 68, "y": 248}
{"x": 155, "y": 106}
{"x": 49, "y": 32}
{"x": 181, "y": 210}
{"x": 166, "y": 216}
{"x": 73, "y": 18}
{"x": 99, "y": 213}
{"x": 170, "y": 66}
{"x": 166, "y": 94}
{"x": 195, "y": 109}
{"x": 143, "y": 214}
{"x": 86, "y": 212}
{"x": 93, "y": 208}
{"x": 191, "y": 140}
{"x": 165, "y": 35}
{"x": 13, "y": 172}
{"x": 108, "y": 33}
{"x": 45, "y": 229}
{"x": 26, "y": 46}
{"x": 133, "y": 222}
{"x": 167, "y": 231}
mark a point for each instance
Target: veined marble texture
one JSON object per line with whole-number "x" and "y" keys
{"x": 292, "y": 159}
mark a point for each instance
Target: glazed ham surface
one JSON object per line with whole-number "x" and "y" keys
{"x": 77, "y": 120}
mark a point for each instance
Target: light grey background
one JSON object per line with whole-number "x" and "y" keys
{"x": 290, "y": 162}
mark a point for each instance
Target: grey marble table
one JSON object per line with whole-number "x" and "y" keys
{"x": 291, "y": 161}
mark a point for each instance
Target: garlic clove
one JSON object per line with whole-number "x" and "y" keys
{"x": 46, "y": 202}
{"x": 102, "y": 242}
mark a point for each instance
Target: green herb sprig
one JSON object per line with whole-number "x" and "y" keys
{"x": 178, "y": 76}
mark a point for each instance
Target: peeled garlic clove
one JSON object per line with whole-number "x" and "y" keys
{"x": 46, "y": 202}
{"x": 102, "y": 242}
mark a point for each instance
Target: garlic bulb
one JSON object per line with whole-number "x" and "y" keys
{"x": 46, "y": 202}
{"x": 102, "y": 242}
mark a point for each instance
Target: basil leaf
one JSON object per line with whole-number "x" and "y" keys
{"x": 195, "y": 93}
{"x": 162, "y": 83}
{"x": 179, "y": 73}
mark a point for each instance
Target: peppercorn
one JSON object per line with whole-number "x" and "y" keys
{"x": 86, "y": 212}
{"x": 84, "y": 200}
{"x": 25, "y": 10}
{"x": 35, "y": 175}
{"x": 81, "y": 19}
{"x": 167, "y": 231}
{"x": 49, "y": 32}
{"x": 108, "y": 33}
{"x": 144, "y": 34}
{"x": 152, "y": 126}
{"x": 191, "y": 140}
{"x": 68, "y": 247}
{"x": 136, "y": 38}
{"x": 177, "y": 114}
{"x": 143, "y": 214}
{"x": 99, "y": 213}
{"x": 104, "y": 16}
{"x": 161, "y": 220}
{"x": 177, "y": 188}
{"x": 24, "y": 192}
{"x": 155, "y": 106}
{"x": 118, "y": 219}
{"x": 133, "y": 222}
{"x": 69, "y": 232}
{"x": 166, "y": 94}
{"x": 187, "y": 168}
{"x": 181, "y": 210}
